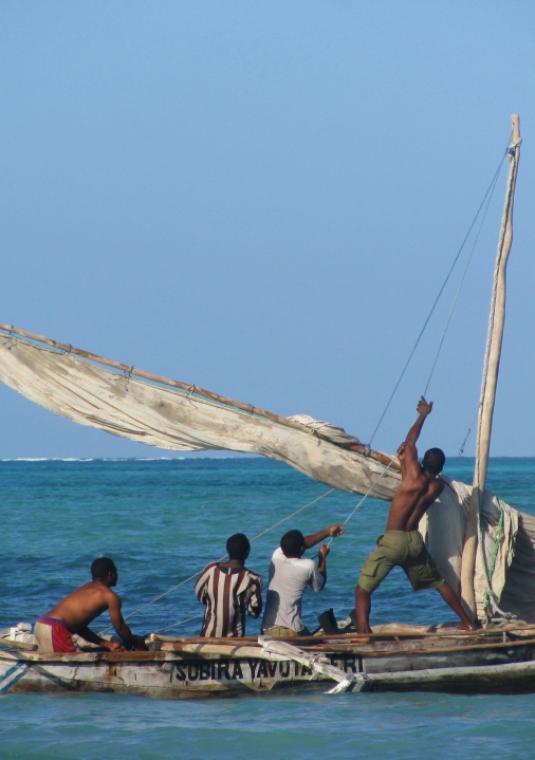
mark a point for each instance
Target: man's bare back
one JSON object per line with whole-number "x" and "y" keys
{"x": 74, "y": 613}
{"x": 402, "y": 545}
{"x": 84, "y": 604}
{"x": 417, "y": 492}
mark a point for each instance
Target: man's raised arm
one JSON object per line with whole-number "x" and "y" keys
{"x": 424, "y": 408}
{"x": 332, "y": 531}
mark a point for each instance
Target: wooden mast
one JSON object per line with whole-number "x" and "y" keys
{"x": 490, "y": 375}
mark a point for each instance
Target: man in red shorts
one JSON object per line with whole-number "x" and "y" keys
{"x": 73, "y": 614}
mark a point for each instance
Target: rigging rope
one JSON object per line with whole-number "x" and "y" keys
{"x": 437, "y": 298}
{"x": 329, "y": 540}
{"x": 254, "y": 538}
{"x": 364, "y": 497}
{"x": 484, "y": 205}
{"x": 455, "y": 301}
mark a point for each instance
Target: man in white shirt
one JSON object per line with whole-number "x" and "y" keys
{"x": 289, "y": 575}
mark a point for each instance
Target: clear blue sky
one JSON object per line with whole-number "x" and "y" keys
{"x": 263, "y": 198}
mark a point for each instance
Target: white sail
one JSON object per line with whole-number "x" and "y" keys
{"x": 94, "y": 391}
{"x": 91, "y": 390}
{"x": 172, "y": 415}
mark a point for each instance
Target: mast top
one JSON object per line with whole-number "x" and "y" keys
{"x": 515, "y": 139}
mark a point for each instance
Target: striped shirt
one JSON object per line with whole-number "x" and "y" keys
{"x": 228, "y": 594}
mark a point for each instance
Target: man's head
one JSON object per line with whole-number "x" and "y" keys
{"x": 293, "y": 543}
{"x": 238, "y": 547}
{"x": 433, "y": 461}
{"x": 103, "y": 569}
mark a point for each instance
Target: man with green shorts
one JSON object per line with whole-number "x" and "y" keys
{"x": 402, "y": 544}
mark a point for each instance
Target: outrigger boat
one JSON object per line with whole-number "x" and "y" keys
{"x": 483, "y": 546}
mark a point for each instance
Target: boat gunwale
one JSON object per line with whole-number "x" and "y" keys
{"x": 177, "y": 652}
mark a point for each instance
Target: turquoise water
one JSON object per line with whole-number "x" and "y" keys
{"x": 161, "y": 521}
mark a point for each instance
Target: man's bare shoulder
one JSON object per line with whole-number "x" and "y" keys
{"x": 95, "y": 591}
{"x": 436, "y": 487}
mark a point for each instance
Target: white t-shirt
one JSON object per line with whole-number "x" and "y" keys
{"x": 288, "y": 578}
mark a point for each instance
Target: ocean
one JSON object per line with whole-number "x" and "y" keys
{"x": 162, "y": 520}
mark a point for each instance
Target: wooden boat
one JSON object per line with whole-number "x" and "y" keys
{"x": 163, "y": 412}
{"x": 400, "y": 658}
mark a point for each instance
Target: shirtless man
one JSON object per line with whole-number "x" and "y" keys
{"x": 402, "y": 544}
{"x": 73, "y": 614}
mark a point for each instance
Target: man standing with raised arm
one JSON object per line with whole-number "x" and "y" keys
{"x": 402, "y": 544}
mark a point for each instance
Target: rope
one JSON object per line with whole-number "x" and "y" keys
{"x": 465, "y": 439}
{"x": 192, "y": 577}
{"x": 490, "y": 193}
{"x": 179, "y": 623}
{"x": 437, "y": 298}
{"x": 364, "y": 497}
{"x": 309, "y": 504}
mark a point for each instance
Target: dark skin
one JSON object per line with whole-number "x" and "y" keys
{"x": 89, "y": 601}
{"x": 418, "y": 490}
{"x": 314, "y": 538}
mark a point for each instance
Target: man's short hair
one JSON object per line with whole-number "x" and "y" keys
{"x": 102, "y": 567}
{"x": 238, "y": 546}
{"x": 293, "y": 543}
{"x": 433, "y": 461}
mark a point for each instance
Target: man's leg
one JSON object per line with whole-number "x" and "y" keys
{"x": 363, "y": 605}
{"x": 451, "y": 598}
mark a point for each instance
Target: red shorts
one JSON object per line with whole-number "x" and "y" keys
{"x": 53, "y": 635}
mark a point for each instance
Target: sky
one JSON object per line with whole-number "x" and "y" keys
{"x": 263, "y": 199}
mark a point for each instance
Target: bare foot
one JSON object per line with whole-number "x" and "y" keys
{"x": 475, "y": 626}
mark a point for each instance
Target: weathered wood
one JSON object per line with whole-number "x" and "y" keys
{"x": 489, "y": 383}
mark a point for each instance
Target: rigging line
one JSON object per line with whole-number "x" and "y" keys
{"x": 254, "y": 538}
{"x": 461, "y": 284}
{"x": 297, "y": 511}
{"x": 329, "y": 540}
{"x": 179, "y": 623}
{"x": 465, "y": 439}
{"x": 364, "y": 497}
{"x": 434, "y": 305}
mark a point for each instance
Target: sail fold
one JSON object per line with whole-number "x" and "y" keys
{"x": 183, "y": 418}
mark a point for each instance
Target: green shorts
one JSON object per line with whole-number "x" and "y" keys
{"x": 406, "y": 549}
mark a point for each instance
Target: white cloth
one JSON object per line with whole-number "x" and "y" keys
{"x": 288, "y": 579}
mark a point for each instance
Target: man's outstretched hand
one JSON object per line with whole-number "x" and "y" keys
{"x": 335, "y": 530}
{"x": 424, "y": 407}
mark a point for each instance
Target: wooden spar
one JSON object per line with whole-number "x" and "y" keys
{"x": 490, "y": 376}
{"x": 278, "y": 649}
{"x": 194, "y": 390}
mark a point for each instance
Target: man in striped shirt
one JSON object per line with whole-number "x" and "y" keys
{"x": 229, "y": 590}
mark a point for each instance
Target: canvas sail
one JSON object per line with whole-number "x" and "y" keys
{"x": 175, "y": 416}
{"x": 171, "y": 415}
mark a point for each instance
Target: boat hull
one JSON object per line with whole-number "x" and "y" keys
{"x": 201, "y": 668}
